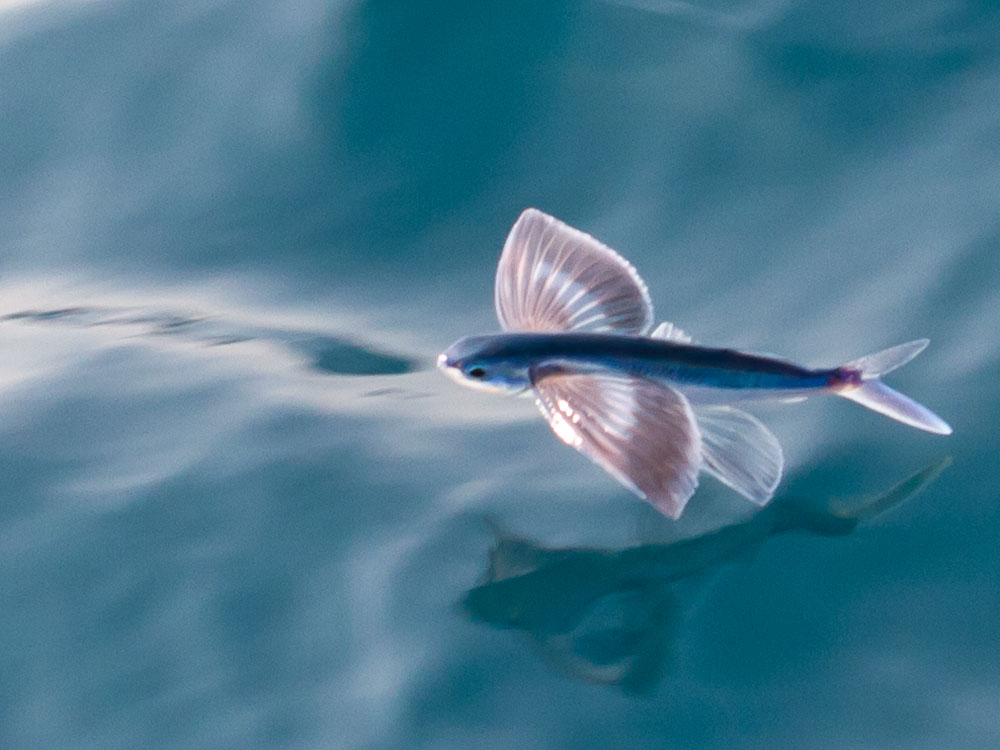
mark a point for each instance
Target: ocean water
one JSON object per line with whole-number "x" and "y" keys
{"x": 240, "y": 509}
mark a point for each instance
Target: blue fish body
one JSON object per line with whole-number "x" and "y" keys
{"x": 681, "y": 365}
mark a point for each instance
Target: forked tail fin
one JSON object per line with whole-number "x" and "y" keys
{"x": 881, "y": 363}
{"x": 877, "y": 396}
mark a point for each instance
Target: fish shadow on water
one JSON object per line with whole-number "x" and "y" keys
{"x": 325, "y": 353}
{"x": 608, "y": 616}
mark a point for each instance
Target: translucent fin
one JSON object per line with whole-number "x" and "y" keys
{"x": 740, "y": 451}
{"x": 552, "y": 277}
{"x": 887, "y": 360}
{"x": 879, "y": 397}
{"x": 670, "y": 332}
{"x": 641, "y": 432}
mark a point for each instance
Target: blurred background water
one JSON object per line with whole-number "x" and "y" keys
{"x": 240, "y": 511}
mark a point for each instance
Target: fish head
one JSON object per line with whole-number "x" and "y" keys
{"x": 478, "y": 362}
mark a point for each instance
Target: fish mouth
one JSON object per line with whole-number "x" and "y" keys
{"x": 452, "y": 371}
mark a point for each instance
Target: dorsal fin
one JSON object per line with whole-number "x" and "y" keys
{"x": 669, "y": 332}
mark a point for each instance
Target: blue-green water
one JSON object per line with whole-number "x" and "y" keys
{"x": 240, "y": 509}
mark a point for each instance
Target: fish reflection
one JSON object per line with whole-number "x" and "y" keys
{"x": 608, "y": 616}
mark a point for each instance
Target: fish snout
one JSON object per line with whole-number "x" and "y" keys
{"x": 451, "y": 367}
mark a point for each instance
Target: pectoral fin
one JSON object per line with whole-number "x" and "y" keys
{"x": 641, "y": 432}
{"x": 552, "y": 277}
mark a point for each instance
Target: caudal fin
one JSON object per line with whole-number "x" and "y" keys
{"x": 877, "y": 396}
{"x": 883, "y": 362}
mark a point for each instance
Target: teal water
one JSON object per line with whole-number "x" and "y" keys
{"x": 241, "y": 510}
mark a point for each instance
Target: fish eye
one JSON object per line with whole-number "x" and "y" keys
{"x": 476, "y": 372}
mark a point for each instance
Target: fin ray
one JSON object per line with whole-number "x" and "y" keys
{"x": 641, "y": 432}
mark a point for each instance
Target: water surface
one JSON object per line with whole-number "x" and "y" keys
{"x": 240, "y": 508}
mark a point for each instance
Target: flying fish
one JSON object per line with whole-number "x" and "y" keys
{"x": 647, "y": 405}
